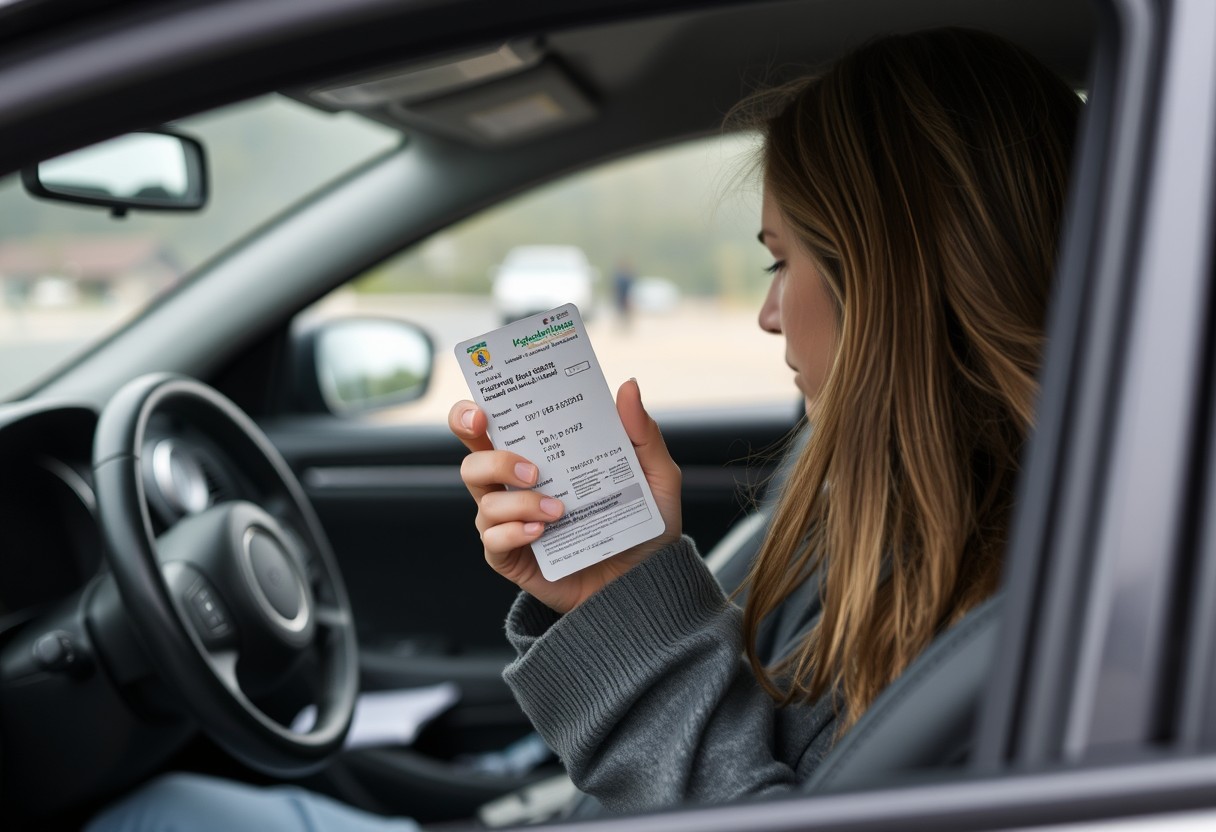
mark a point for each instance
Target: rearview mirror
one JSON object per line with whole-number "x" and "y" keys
{"x": 157, "y": 170}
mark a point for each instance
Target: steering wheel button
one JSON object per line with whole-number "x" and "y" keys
{"x": 208, "y": 610}
{"x": 275, "y": 574}
{"x": 54, "y": 651}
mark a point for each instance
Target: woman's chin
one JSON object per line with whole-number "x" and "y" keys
{"x": 806, "y": 399}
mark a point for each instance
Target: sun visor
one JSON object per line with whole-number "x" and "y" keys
{"x": 430, "y": 79}
{"x": 528, "y": 104}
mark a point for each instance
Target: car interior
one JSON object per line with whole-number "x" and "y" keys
{"x": 137, "y": 468}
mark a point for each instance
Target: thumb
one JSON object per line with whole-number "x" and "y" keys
{"x": 658, "y": 467}
{"x": 642, "y": 430}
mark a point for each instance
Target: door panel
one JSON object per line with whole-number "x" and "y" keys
{"x": 401, "y": 522}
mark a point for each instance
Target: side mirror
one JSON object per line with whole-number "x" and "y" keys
{"x": 157, "y": 170}
{"x": 354, "y": 365}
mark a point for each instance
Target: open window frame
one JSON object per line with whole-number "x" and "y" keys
{"x": 1129, "y": 342}
{"x": 1099, "y": 700}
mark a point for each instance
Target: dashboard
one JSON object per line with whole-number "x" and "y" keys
{"x": 50, "y": 541}
{"x": 79, "y": 703}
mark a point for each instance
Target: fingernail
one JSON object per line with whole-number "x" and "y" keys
{"x": 533, "y": 528}
{"x": 526, "y": 471}
{"x": 466, "y": 419}
{"x": 551, "y": 507}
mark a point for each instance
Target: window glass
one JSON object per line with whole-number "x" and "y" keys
{"x": 72, "y": 274}
{"x": 658, "y": 250}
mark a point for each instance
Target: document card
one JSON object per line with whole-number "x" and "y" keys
{"x": 541, "y": 386}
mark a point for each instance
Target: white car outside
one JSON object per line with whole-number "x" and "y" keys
{"x": 536, "y": 278}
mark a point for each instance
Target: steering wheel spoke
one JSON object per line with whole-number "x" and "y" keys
{"x": 224, "y": 661}
{"x": 333, "y": 617}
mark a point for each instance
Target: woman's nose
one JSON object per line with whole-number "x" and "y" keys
{"x": 770, "y": 311}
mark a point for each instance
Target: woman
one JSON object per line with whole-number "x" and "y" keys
{"x": 912, "y": 201}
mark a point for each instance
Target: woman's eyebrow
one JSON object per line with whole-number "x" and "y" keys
{"x": 764, "y": 232}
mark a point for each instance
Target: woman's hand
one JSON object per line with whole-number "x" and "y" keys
{"x": 509, "y": 521}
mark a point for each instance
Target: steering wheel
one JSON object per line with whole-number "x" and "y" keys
{"x": 233, "y": 593}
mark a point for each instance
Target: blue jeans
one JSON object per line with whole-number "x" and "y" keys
{"x": 194, "y": 803}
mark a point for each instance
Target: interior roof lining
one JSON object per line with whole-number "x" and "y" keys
{"x": 625, "y": 60}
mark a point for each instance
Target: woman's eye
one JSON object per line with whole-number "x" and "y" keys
{"x": 776, "y": 267}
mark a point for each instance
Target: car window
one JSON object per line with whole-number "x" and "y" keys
{"x": 69, "y": 275}
{"x": 658, "y": 251}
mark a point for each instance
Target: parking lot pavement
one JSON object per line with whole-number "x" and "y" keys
{"x": 701, "y": 353}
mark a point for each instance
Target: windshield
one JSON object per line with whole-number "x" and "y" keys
{"x": 70, "y": 275}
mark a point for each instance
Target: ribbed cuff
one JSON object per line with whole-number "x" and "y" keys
{"x": 527, "y": 621}
{"x": 578, "y": 670}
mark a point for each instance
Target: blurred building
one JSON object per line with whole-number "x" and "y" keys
{"x": 84, "y": 269}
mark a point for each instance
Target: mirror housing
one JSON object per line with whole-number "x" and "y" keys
{"x": 347, "y": 366}
{"x": 153, "y": 170}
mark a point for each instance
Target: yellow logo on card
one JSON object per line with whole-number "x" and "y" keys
{"x": 480, "y": 357}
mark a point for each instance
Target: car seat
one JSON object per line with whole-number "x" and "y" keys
{"x": 924, "y": 719}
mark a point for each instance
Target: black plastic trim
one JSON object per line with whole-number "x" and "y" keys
{"x": 1010, "y": 802}
{"x": 1048, "y": 560}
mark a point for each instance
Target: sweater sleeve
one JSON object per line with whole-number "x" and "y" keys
{"x": 643, "y": 692}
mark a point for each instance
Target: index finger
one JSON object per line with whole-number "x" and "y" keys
{"x": 469, "y": 424}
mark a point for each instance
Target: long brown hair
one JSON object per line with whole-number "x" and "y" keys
{"x": 926, "y": 173}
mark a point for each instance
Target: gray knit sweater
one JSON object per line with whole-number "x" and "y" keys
{"x": 644, "y": 694}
